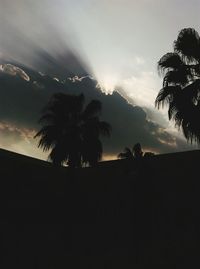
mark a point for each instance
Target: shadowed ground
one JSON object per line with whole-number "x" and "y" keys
{"x": 117, "y": 215}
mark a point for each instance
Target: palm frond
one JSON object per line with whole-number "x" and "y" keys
{"x": 93, "y": 127}
{"x": 173, "y": 110}
{"x": 58, "y": 155}
{"x": 92, "y": 109}
{"x": 164, "y": 95}
{"x": 63, "y": 104}
{"x": 188, "y": 44}
{"x": 192, "y": 91}
{"x": 104, "y": 128}
{"x": 48, "y": 117}
{"x": 181, "y": 77}
{"x": 48, "y": 136}
{"x": 92, "y": 151}
{"x": 126, "y": 154}
{"x": 191, "y": 131}
{"x": 137, "y": 151}
{"x": 169, "y": 61}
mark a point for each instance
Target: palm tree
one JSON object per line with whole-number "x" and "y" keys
{"x": 71, "y": 131}
{"x": 137, "y": 150}
{"x": 181, "y": 84}
{"x": 128, "y": 154}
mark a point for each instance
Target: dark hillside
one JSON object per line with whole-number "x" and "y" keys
{"x": 117, "y": 215}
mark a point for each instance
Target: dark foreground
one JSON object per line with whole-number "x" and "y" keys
{"x": 107, "y": 217}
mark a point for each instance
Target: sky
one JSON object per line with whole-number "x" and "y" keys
{"x": 117, "y": 42}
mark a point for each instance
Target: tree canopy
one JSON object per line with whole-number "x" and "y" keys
{"x": 71, "y": 130}
{"x": 181, "y": 84}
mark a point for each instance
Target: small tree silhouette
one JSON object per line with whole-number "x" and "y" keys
{"x": 135, "y": 153}
{"x": 149, "y": 154}
{"x": 126, "y": 154}
{"x": 72, "y": 131}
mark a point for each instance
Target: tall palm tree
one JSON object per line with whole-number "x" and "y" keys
{"x": 181, "y": 84}
{"x": 72, "y": 131}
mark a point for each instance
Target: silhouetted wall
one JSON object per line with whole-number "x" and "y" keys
{"x": 111, "y": 216}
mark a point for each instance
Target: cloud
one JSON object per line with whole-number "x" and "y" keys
{"x": 9, "y": 135}
{"x": 38, "y": 34}
{"x": 19, "y": 140}
{"x": 117, "y": 42}
{"x": 14, "y": 71}
{"x": 139, "y": 60}
{"x": 21, "y": 103}
{"x": 141, "y": 88}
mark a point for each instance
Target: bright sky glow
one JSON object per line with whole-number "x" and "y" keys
{"x": 119, "y": 41}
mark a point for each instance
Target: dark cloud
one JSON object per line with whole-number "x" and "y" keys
{"x": 21, "y": 102}
{"x": 60, "y": 66}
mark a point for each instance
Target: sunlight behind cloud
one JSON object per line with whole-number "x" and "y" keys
{"x": 103, "y": 35}
{"x": 142, "y": 88}
{"x": 119, "y": 42}
{"x": 107, "y": 84}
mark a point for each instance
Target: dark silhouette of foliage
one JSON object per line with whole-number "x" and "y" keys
{"x": 181, "y": 84}
{"x": 72, "y": 131}
{"x": 126, "y": 154}
{"x": 149, "y": 154}
{"x": 137, "y": 150}
{"x": 135, "y": 153}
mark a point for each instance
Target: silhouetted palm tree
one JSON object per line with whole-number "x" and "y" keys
{"x": 126, "y": 154}
{"x": 135, "y": 153}
{"x": 71, "y": 131}
{"x": 181, "y": 83}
